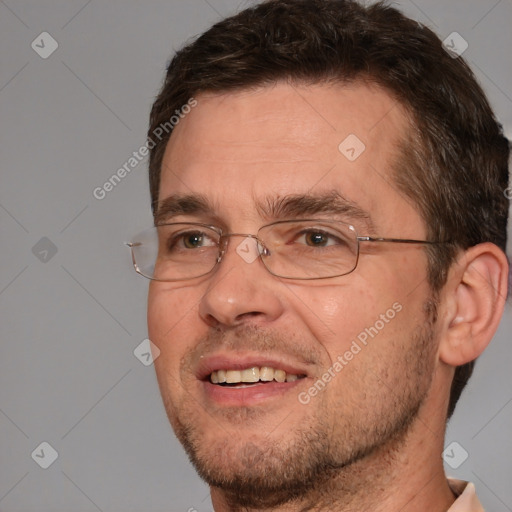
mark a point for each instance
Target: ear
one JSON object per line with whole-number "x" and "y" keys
{"x": 474, "y": 295}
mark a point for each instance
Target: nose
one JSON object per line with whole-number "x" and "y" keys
{"x": 240, "y": 288}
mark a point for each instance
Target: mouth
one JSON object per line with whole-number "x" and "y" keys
{"x": 252, "y": 376}
{"x": 244, "y": 380}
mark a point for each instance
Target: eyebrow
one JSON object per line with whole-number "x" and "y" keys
{"x": 301, "y": 205}
{"x": 271, "y": 208}
{"x": 176, "y": 205}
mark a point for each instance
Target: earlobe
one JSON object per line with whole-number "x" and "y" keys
{"x": 476, "y": 293}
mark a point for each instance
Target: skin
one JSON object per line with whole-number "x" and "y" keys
{"x": 380, "y": 421}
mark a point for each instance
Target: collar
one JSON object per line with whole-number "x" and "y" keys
{"x": 467, "y": 500}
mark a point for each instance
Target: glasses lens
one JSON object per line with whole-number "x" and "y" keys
{"x": 173, "y": 252}
{"x": 305, "y": 249}
{"x": 309, "y": 249}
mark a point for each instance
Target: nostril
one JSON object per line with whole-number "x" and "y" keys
{"x": 245, "y": 316}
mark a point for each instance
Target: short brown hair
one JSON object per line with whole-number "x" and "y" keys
{"x": 454, "y": 164}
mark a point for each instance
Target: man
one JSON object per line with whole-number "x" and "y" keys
{"x": 328, "y": 257}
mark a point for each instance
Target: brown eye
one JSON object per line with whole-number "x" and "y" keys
{"x": 193, "y": 240}
{"x": 189, "y": 240}
{"x": 316, "y": 239}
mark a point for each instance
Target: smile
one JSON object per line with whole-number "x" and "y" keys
{"x": 252, "y": 375}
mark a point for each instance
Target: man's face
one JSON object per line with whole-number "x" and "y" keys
{"x": 240, "y": 150}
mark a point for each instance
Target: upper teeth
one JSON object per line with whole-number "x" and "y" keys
{"x": 254, "y": 374}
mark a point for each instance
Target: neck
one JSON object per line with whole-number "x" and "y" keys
{"x": 406, "y": 474}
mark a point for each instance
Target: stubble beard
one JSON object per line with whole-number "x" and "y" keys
{"x": 320, "y": 460}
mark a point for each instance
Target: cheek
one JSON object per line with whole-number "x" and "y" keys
{"x": 361, "y": 311}
{"x": 168, "y": 308}
{"x": 159, "y": 321}
{"x": 169, "y": 326}
{"x": 335, "y": 315}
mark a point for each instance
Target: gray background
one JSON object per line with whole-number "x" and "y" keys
{"x": 71, "y": 320}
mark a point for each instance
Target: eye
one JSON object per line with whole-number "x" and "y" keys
{"x": 317, "y": 238}
{"x": 190, "y": 240}
{"x": 193, "y": 240}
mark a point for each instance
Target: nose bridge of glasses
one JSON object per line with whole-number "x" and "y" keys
{"x": 245, "y": 249}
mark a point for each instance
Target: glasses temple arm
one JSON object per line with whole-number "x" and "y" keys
{"x": 398, "y": 240}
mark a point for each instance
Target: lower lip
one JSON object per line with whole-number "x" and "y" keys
{"x": 250, "y": 395}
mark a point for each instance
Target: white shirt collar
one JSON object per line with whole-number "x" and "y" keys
{"x": 467, "y": 500}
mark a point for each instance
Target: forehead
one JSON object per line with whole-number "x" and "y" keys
{"x": 286, "y": 139}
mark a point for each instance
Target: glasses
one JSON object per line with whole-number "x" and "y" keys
{"x": 290, "y": 249}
